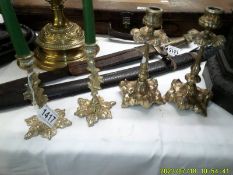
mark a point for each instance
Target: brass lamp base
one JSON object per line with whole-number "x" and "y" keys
{"x": 57, "y": 45}
{"x": 54, "y": 59}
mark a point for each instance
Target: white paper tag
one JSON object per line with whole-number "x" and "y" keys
{"x": 47, "y": 115}
{"x": 173, "y": 51}
{"x": 1, "y": 19}
{"x": 141, "y": 8}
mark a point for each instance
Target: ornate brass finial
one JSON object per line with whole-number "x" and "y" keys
{"x": 36, "y": 94}
{"x": 96, "y": 108}
{"x": 188, "y": 95}
{"x": 144, "y": 91}
{"x": 59, "y": 42}
{"x": 210, "y": 21}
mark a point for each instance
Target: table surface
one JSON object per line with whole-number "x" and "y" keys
{"x": 136, "y": 141}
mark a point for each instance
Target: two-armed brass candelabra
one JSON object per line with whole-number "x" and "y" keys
{"x": 59, "y": 42}
{"x": 188, "y": 95}
{"x": 144, "y": 91}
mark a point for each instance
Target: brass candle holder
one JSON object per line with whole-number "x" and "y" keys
{"x": 36, "y": 94}
{"x": 96, "y": 108}
{"x": 144, "y": 91}
{"x": 59, "y": 42}
{"x": 210, "y": 21}
{"x": 188, "y": 95}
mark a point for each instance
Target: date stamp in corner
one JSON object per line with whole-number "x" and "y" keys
{"x": 196, "y": 171}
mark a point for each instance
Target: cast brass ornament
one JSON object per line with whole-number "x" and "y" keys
{"x": 36, "y": 95}
{"x": 96, "y": 108}
{"x": 38, "y": 98}
{"x": 39, "y": 128}
{"x": 144, "y": 91}
{"x": 210, "y": 21}
{"x": 188, "y": 95}
{"x": 59, "y": 42}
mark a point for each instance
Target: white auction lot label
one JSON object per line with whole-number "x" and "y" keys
{"x": 47, "y": 115}
{"x": 173, "y": 51}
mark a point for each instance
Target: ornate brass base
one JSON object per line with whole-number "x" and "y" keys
{"x": 144, "y": 93}
{"x": 59, "y": 45}
{"x": 94, "y": 109}
{"x": 39, "y": 128}
{"x": 188, "y": 96}
{"x": 54, "y": 59}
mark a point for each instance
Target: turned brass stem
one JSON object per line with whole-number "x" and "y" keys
{"x": 59, "y": 17}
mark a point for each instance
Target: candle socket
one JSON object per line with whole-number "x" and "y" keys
{"x": 144, "y": 91}
{"x": 59, "y": 42}
{"x": 210, "y": 21}
{"x": 25, "y": 62}
{"x": 96, "y": 108}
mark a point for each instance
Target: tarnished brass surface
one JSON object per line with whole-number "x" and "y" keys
{"x": 34, "y": 92}
{"x": 36, "y": 95}
{"x": 26, "y": 62}
{"x": 96, "y": 108}
{"x": 210, "y": 21}
{"x": 188, "y": 95}
{"x": 59, "y": 42}
{"x": 38, "y": 128}
{"x": 144, "y": 91}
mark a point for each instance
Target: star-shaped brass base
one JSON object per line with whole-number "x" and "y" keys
{"x": 94, "y": 109}
{"x": 39, "y": 128}
{"x": 144, "y": 93}
{"x": 188, "y": 96}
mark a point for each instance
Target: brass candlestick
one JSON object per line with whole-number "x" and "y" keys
{"x": 39, "y": 99}
{"x": 96, "y": 108}
{"x": 59, "y": 42}
{"x": 144, "y": 91}
{"x": 188, "y": 95}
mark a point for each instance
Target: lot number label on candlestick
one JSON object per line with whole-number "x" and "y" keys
{"x": 173, "y": 51}
{"x": 47, "y": 116}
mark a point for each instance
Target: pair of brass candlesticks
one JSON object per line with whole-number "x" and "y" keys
{"x": 58, "y": 43}
{"x": 93, "y": 109}
{"x": 144, "y": 91}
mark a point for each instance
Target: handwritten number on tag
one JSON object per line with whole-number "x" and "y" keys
{"x": 51, "y": 116}
{"x": 173, "y": 51}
